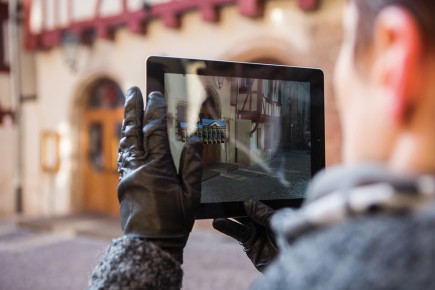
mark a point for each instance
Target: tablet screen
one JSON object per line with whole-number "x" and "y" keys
{"x": 256, "y": 123}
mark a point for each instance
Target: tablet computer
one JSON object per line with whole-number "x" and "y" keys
{"x": 262, "y": 127}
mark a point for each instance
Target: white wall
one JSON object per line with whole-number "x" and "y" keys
{"x": 7, "y": 169}
{"x": 5, "y": 100}
{"x": 243, "y": 141}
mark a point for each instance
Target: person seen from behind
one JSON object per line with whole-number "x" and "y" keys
{"x": 366, "y": 224}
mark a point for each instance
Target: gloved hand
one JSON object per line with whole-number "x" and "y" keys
{"x": 253, "y": 233}
{"x": 156, "y": 203}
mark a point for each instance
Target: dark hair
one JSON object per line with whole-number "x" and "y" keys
{"x": 423, "y": 12}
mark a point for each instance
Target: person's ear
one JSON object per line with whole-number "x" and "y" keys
{"x": 398, "y": 52}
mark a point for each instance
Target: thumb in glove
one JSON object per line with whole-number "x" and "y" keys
{"x": 253, "y": 233}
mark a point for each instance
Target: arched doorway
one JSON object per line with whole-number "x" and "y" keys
{"x": 210, "y": 110}
{"x": 101, "y": 129}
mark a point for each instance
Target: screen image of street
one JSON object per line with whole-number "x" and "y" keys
{"x": 256, "y": 134}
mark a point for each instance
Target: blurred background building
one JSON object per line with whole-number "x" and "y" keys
{"x": 63, "y": 73}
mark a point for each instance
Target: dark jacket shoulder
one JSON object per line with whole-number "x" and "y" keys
{"x": 374, "y": 251}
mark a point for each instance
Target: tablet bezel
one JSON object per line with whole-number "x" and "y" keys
{"x": 157, "y": 66}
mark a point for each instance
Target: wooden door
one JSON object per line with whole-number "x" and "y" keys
{"x": 100, "y": 133}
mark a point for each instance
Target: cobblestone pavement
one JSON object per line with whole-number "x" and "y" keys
{"x": 60, "y": 253}
{"x": 286, "y": 175}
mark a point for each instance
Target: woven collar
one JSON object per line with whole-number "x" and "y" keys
{"x": 343, "y": 192}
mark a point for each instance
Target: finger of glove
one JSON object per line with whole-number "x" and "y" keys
{"x": 258, "y": 212}
{"x": 244, "y": 220}
{"x": 155, "y": 132}
{"x": 190, "y": 172}
{"x": 130, "y": 145}
{"x": 235, "y": 230}
{"x": 131, "y": 131}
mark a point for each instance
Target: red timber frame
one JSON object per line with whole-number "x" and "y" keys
{"x": 3, "y": 18}
{"x": 169, "y": 12}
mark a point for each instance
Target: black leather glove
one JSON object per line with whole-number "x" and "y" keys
{"x": 156, "y": 203}
{"x": 253, "y": 233}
